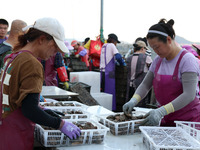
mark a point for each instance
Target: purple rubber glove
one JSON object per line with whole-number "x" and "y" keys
{"x": 70, "y": 130}
{"x": 83, "y": 52}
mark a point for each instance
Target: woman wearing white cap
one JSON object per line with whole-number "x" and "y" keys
{"x": 137, "y": 67}
{"x": 174, "y": 76}
{"x": 21, "y": 84}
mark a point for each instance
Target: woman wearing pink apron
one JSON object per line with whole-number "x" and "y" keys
{"x": 174, "y": 76}
{"x": 167, "y": 88}
{"x": 15, "y": 127}
{"x": 21, "y": 85}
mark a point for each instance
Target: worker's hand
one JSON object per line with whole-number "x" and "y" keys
{"x": 42, "y": 99}
{"x": 53, "y": 113}
{"x": 128, "y": 107}
{"x": 77, "y": 55}
{"x": 70, "y": 69}
{"x": 70, "y": 130}
{"x": 66, "y": 85}
{"x": 66, "y": 55}
{"x": 154, "y": 117}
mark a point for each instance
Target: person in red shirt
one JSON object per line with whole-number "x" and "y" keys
{"x": 80, "y": 52}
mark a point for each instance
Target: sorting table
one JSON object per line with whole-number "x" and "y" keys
{"x": 56, "y": 92}
{"x": 122, "y": 142}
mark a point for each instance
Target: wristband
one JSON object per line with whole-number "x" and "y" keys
{"x": 61, "y": 124}
{"x": 169, "y": 108}
{"x": 137, "y": 97}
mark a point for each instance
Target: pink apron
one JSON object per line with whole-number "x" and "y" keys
{"x": 167, "y": 88}
{"x": 16, "y": 131}
{"x": 49, "y": 71}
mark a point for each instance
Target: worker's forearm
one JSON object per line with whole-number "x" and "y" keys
{"x": 146, "y": 85}
{"x": 189, "y": 82}
{"x": 32, "y": 111}
{"x": 119, "y": 59}
{"x": 83, "y": 52}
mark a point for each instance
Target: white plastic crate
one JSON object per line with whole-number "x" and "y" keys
{"x": 73, "y": 112}
{"x": 120, "y": 128}
{"x": 104, "y": 99}
{"x": 168, "y": 138}
{"x": 63, "y": 103}
{"x": 91, "y": 78}
{"x": 192, "y": 128}
{"x": 54, "y": 138}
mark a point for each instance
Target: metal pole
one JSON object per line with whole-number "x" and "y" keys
{"x": 101, "y": 24}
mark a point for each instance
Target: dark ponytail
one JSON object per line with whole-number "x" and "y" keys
{"x": 30, "y": 36}
{"x": 136, "y": 47}
{"x": 22, "y": 41}
{"x": 144, "y": 39}
{"x": 163, "y": 26}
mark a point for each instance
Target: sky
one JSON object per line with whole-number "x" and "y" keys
{"x": 128, "y": 19}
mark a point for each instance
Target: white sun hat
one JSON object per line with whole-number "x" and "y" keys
{"x": 53, "y": 28}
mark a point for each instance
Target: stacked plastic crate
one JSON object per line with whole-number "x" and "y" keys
{"x": 92, "y": 78}
{"x": 168, "y": 138}
{"x": 121, "y": 86}
{"x": 75, "y": 112}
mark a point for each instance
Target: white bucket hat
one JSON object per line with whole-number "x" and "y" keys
{"x": 53, "y": 28}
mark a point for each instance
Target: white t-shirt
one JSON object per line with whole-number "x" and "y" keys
{"x": 111, "y": 50}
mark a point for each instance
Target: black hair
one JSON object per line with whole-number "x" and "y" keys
{"x": 144, "y": 39}
{"x": 111, "y": 40}
{"x": 30, "y": 36}
{"x": 86, "y": 40}
{"x": 163, "y": 26}
{"x": 137, "y": 47}
{"x": 3, "y": 21}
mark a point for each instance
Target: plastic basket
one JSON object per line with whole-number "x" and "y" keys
{"x": 120, "y": 128}
{"x": 63, "y": 103}
{"x": 73, "y": 112}
{"x": 192, "y": 128}
{"x": 84, "y": 85}
{"x": 54, "y": 138}
{"x": 168, "y": 138}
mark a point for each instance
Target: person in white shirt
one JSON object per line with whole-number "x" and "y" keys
{"x": 109, "y": 56}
